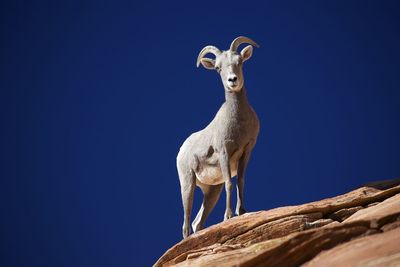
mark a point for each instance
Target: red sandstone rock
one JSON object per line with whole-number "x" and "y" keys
{"x": 373, "y": 250}
{"x": 295, "y": 235}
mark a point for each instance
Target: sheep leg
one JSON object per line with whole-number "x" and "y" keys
{"x": 240, "y": 182}
{"x": 226, "y": 173}
{"x": 211, "y": 196}
{"x": 188, "y": 182}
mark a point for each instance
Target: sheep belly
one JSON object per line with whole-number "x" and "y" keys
{"x": 212, "y": 175}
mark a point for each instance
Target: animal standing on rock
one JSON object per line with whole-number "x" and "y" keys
{"x": 211, "y": 157}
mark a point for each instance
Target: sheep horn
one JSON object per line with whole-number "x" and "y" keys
{"x": 240, "y": 40}
{"x": 208, "y": 49}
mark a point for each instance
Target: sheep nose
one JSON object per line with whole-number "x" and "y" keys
{"x": 232, "y": 79}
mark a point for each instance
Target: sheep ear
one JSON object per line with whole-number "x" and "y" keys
{"x": 246, "y": 52}
{"x": 208, "y": 63}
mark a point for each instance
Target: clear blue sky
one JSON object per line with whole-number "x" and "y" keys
{"x": 97, "y": 97}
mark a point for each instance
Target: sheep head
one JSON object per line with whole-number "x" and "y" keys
{"x": 229, "y": 64}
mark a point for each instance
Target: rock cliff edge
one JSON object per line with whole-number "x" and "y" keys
{"x": 359, "y": 228}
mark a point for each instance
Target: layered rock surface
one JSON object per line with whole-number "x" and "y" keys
{"x": 359, "y": 228}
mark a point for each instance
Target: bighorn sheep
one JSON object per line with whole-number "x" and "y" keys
{"x": 211, "y": 157}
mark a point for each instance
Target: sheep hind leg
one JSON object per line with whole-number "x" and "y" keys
{"x": 211, "y": 195}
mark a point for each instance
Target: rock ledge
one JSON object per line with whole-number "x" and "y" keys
{"x": 359, "y": 228}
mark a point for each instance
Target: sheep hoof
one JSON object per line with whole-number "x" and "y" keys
{"x": 228, "y": 214}
{"x": 240, "y": 211}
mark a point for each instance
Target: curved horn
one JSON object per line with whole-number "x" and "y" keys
{"x": 240, "y": 40}
{"x": 208, "y": 49}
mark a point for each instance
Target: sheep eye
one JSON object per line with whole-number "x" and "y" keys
{"x": 217, "y": 68}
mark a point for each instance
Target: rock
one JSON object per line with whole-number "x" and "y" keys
{"x": 343, "y": 214}
{"x": 296, "y": 235}
{"x": 275, "y": 229}
{"x": 380, "y": 212}
{"x": 391, "y": 226}
{"x": 318, "y": 223}
{"x": 374, "y": 250}
{"x": 372, "y": 204}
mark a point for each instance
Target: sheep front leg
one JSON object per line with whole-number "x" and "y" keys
{"x": 226, "y": 173}
{"x": 240, "y": 184}
{"x": 187, "y": 181}
{"x": 244, "y": 159}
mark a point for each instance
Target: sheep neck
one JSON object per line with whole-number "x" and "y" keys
{"x": 236, "y": 100}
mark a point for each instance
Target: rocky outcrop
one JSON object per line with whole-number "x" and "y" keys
{"x": 359, "y": 228}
